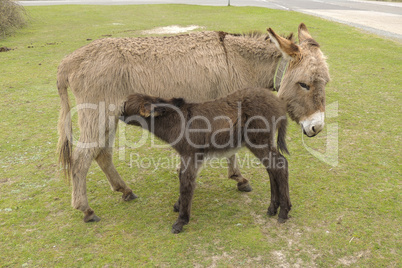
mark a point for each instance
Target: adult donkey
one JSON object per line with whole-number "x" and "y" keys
{"x": 198, "y": 66}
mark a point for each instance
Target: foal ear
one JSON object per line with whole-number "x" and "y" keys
{"x": 149, "y": 109}
{"x": 158, "y": 111}
{"x": 178, "y": 102}
{"x": 145, "y": 109}
{"x": 303, "y": 33}
{"x": 287, "y": 47}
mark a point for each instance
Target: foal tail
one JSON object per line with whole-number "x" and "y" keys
{"x": 281, "y": 141}
{"x": 65, "y": 146}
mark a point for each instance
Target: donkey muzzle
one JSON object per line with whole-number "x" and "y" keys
{"x": 313, "y": 124}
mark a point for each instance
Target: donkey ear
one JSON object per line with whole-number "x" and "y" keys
{"x": 304, "y": 36}
{"x": 303, "y": 33}
{"x": 287, "y": 47}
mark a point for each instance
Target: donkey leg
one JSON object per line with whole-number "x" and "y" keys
{"x": 187, "y": 186}
{"x": 234, "y": 174}
{"x": 81, "y": 161}
{"x": 105, "y": 161}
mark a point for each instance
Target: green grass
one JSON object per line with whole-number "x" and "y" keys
{"x": 349, "y": 214}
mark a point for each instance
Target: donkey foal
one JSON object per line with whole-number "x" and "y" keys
{"x": 199, "y": 131}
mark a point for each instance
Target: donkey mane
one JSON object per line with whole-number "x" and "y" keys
{"x": 257, "y": 34}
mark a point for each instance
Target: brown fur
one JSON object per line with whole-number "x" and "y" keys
{"x": 218, "y": 136}
{"x": 201, "y": 66}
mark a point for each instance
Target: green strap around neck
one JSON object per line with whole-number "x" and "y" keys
{"x": 280, "y": 73}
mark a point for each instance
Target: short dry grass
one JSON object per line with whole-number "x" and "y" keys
{"x": 12, "y": 17}
{"x": 343, "y": 215}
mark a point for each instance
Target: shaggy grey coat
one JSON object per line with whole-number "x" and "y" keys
{"x": 200, "y": 66}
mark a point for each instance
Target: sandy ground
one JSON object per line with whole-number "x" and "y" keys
{"x": 380, "y": 21}
{"x": 382, "y": 18}
{"x": 173, "y": 29}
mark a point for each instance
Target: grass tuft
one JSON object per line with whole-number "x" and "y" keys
{"x": 12, "y": 17}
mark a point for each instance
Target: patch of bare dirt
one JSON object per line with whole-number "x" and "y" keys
{"x": 291, "y": 256}
{"x": 281, "y": 259}
{"x": 173, "y": 29}
{"x": 349, "y": 260}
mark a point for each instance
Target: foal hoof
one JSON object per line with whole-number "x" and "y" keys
{"x": 129, "y": 196}
{"x": 281, "y": 220}
{"x": 177, "y": 228}
{"x": 271, "y": 211}
{"x": 176, "y": 207}
{"x": 176, "y": 231}
{"x": 245, "y": 187}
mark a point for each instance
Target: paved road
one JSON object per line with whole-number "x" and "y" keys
{"x": 382, "y": 18}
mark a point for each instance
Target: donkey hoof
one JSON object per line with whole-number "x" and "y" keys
{"x": 91, "y": 218}
{"x": 245, "y": 187}
{"x": 129, "y": 196}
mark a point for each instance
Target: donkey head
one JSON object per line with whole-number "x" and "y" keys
{"x": 148, "y": 106}
{"x": 303, "y": 83}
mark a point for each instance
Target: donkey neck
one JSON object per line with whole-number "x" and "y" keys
{"x": 255, "y": 57}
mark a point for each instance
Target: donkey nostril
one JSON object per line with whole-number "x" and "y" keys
{"x": 313, "y": 129}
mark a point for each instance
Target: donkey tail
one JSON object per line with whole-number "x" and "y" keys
{"x": 65, "y": 146}
{"x": 281, "y": 141}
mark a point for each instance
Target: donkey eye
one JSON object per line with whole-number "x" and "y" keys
{"x": 303, "y": 85}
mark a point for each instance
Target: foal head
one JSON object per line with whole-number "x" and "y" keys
{"x": 148, "y": 106}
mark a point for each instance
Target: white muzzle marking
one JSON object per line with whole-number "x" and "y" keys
{"x": 313, "y": 124}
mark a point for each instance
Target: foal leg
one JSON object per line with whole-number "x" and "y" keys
{"x": 234, "y": 174}
{"x": 277, "y": 168}
{"x": 279, "y": 173}
{"x": 274, "y": 205}
{"x": 176, "y": 206}
{"x": 187, "y": 185}
{"x": 105, "y": 161}
{"x": 81, "y": 161}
